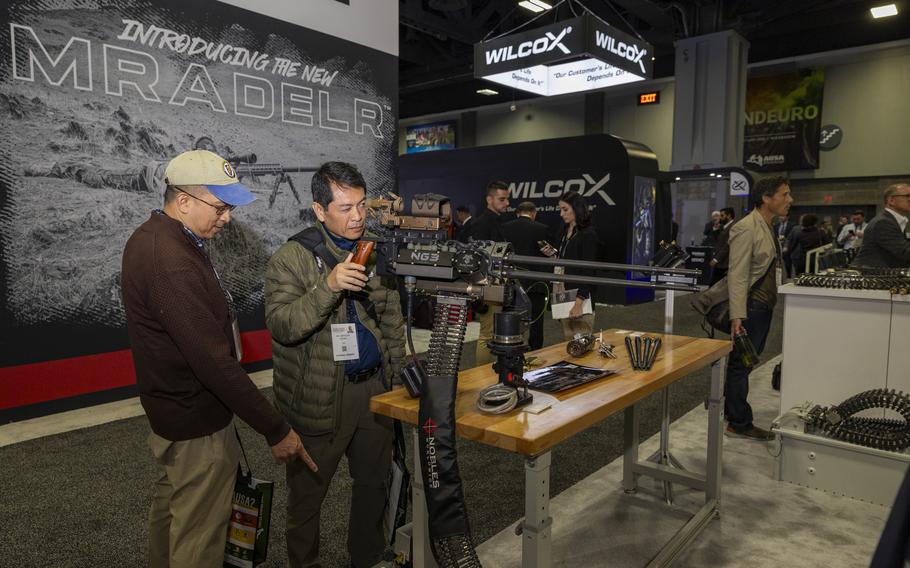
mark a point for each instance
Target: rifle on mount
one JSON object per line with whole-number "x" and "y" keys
{"x": 246, "y": 166}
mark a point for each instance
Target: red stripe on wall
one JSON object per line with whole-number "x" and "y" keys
{"x": 33, "y": 383}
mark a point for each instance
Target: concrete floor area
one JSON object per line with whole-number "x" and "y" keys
{"x": 763, "y": 522}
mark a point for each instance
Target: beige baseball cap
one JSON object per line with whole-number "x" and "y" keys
{"x": 201, "y": 167}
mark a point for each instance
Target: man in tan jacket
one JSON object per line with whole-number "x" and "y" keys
{"x": 752, "y": 279}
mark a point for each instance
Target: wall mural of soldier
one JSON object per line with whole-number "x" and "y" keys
{"x": 94, "y": 102}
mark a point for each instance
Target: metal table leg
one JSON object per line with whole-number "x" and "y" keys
{"x": 715, "y": 433}
{"x": 630, "y": 449}
{"x": 711, "y": 509}
{"x": 421, "y": 552}
{"x": 536, "y": 538}
{"x": 663, "y": 456}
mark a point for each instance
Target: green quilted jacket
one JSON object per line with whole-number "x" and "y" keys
{"x": 299, "y": 311}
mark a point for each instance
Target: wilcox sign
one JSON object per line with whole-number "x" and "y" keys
{"x": 527, "y": 48}
{"x": 586, "y": 185}
{"x": 507, "y": 59}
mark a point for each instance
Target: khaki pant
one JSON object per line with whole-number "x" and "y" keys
{"x": 366, "y": 439}
{"x": 583, "y": 325}
{"x": 191, "y": 506}
{"x": 482, "y": 355}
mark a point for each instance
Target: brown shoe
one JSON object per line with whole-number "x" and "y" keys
{"x": 753, "y": 433}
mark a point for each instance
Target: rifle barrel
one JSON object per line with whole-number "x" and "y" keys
{"x": 272, "y": 168}
{"x": 539, "y": 261}
{"x": 595, "y": 280}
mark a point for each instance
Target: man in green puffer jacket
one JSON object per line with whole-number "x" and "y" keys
{"x": 337, "y": 340}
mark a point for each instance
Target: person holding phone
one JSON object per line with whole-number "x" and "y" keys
{"x": 577, "y": 241}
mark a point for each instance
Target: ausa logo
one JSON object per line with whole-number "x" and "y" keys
{"x": 547, "y": 42}
{"x": 586, "y": 185}
{"x": 765, "y": 160}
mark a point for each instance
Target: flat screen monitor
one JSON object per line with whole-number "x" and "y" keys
{"x": 430, "y": 137}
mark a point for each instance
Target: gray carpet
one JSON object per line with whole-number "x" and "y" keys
{"x": 81, "y": 498}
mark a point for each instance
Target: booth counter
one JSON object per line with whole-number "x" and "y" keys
{"x": 838, "y": 343}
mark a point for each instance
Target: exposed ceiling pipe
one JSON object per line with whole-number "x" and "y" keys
{"x": 682, "y": 16}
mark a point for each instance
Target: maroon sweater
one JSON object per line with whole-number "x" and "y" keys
{"x": 179, "y": 324}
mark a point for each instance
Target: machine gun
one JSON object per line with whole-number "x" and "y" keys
{"x": 246, "y": 166}
{"x": 414, "y": 246}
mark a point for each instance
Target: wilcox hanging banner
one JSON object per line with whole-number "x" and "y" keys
{"x": 578, "y": 54}
{"x": 783, "y": 121}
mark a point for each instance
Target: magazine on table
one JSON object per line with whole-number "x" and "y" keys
{"x": 563, "y": 375}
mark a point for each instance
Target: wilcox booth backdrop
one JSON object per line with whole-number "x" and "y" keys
{"x": 618, "y": 179}
{"x": 94, "y": 101}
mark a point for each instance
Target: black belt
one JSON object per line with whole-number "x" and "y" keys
{"x": 361, "y": 376}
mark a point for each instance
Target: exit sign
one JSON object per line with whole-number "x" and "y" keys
{"x": 649, "y": 98}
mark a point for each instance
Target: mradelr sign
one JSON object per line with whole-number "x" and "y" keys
{"x": 578, "y": 54}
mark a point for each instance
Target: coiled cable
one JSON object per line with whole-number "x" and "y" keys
{"x": 497, "y": 399}
{"x": 839, "y": 421}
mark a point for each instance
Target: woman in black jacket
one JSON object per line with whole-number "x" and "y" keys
{"x": 578, "y": 241}
{"x": 809, "y": 237}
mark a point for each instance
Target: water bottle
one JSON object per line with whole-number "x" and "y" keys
{"x": 743, "y": 345}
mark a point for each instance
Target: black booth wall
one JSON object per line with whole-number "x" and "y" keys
{"x": 603, "y": 168}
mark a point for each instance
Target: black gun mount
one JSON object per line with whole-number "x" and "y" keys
{"x": 414, "y": 245}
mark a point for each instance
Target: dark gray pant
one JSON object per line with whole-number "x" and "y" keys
{"x": 366, "y": 439}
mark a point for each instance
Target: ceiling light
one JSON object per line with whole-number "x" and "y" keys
{"x": 488, "y": 92}
{"x": 535, "y": 6}
{"x": 678, "y": 178}
{"x": 884, "y": 11}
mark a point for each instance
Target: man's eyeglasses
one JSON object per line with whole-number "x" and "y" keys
{"x": 219, "y": 209}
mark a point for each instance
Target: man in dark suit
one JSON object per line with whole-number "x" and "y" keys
{"x": 783, "y": 230}
{"x": 488, "y": 227}
{"x": 712, "y": 230}
{"x": 722, "y": 251}
{"x": 524, "y": 233}
{"x": 463, "y": 223}
{"x": 885, "y": 241}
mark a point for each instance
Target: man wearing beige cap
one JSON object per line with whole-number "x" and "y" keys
{"x": 186, "y": 351}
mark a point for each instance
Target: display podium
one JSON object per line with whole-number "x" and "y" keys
{"x": 838, "y": 343}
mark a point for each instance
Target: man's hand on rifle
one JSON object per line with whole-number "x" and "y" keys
{"x": 347, "y": 276}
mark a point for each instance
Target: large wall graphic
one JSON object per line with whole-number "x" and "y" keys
{"x": 95, "y": 97}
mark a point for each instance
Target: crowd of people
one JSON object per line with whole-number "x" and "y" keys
{"x": 797, "y": 239}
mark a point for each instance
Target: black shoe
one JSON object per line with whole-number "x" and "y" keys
{"x": 753, "y": 433}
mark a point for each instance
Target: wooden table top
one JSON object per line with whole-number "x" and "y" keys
{"x": 574, "y": 409}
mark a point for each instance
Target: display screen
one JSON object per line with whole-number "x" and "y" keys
{"x": 430, "y": 137}
{"x": 643, "y": 222}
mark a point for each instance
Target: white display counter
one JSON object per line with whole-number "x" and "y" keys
{"x": 838, "y": 343}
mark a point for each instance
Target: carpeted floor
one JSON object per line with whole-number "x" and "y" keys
{"x": 81, "y": 498}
